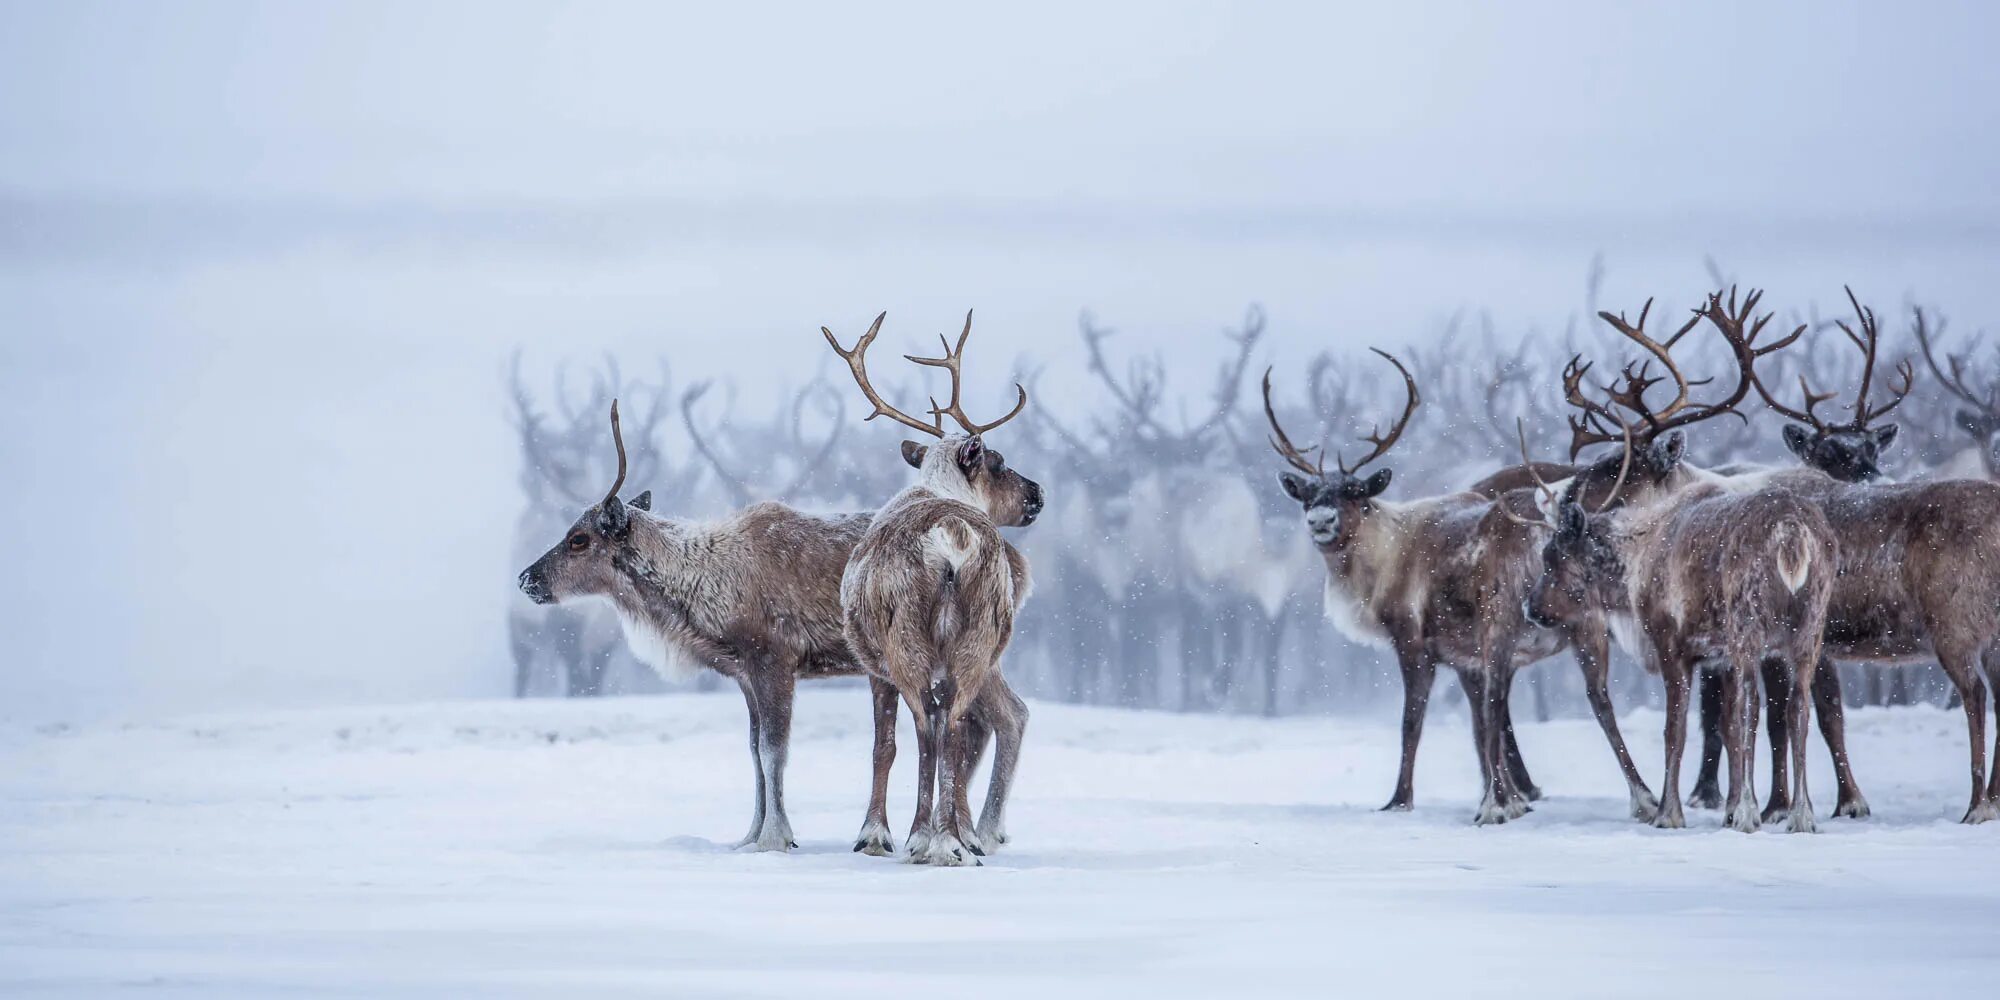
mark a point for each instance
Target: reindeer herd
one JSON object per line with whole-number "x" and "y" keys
{"x": 1730, "y": 584}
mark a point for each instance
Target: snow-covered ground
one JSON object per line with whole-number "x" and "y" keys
{"x": 576, "y": 848}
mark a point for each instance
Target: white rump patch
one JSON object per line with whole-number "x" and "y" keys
{"x": 941, "y": 542}
{"x": 653, "y": 649}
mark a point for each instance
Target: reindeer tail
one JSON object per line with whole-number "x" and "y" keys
{"x": 1791, "y": 546}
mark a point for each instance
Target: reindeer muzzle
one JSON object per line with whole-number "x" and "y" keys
{"x": 535, "y": 587}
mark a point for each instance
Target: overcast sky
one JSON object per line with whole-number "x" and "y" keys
{"x": 261, "y": 264}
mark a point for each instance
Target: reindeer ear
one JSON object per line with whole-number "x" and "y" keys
{"x": 612, "y": 518}
{"x": 1799, "y": 440}
{"x": 1296, "y": 486}
{"x": 1569, "y": 520}
{"x": 1663, "y": 455}
{"x": 914, "y": 453}
{"x": 1376, "y": 483}
{"x": 970, "y": 453}
{"x": 643, "y": 501}
{"x": 1883, "y": 435}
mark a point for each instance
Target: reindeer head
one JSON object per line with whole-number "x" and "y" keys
{"x": 1850, "y": 452}
{"x": 1336, "y": 503}
{"x": 1581, "y": 570}
{"x": 1982, "y": 421}
{"x": 959, "y": 466}
{"x": 582, "y": 564}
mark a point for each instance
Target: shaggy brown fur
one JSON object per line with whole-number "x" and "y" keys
{"x": 1919, "y": 580}
{"x": 929, "y": 598}
{"x": 1704, "y": 575}
{"x": 756, "y": 598}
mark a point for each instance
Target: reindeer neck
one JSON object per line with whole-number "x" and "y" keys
{"x": 1375, "y": 551}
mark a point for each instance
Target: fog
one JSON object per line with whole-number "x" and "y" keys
{"x": 262, "y": 266}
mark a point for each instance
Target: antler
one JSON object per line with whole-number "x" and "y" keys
{"x": 950, "y": 363}
{"x": 1955, "y": 382}
{"x": 1729, "y": 321}
{"x": 1382, "y": 443}
{"x": 1548, "y": 492}
{"x": 617, "y": 438}
{"x": 858, "y": 364}
{"x": 1282, "y": 442}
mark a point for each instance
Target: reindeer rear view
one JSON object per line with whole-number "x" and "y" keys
{"x": 930, "y": 593}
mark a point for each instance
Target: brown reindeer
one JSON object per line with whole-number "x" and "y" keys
{"x": 1703, "y": 575}
{"x": 1918, "y": 571}
{"x": 930, "y": 593}
{"x": 1441, "y": 580}
{"x": 756, "y": 598}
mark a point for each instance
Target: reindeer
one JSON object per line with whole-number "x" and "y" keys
{"x": 1702, "y": 575}
{"x": 930, "y": 593}
{"x": 754, "y": 597}
{"x": 1982, "y": 421}
{"x": 1442, "y": 580}
{"x": 1918, "y": 571}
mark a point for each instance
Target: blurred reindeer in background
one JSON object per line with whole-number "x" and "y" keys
{"x": 1170, "y": 571}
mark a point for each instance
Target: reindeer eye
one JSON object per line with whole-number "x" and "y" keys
{"x": 578, "y": 542}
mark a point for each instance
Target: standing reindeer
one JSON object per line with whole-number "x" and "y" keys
{"x": 930, "y": 593}
{"x": 1442, "y": 580}
{"x": 1982, "y": 421}
{"x": 754, "y": 597}
{"x": 1702, "y": 575}
{"x": 1918, "y": 563}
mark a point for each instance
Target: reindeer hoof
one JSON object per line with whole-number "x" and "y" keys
{"x": 947, "y": 851}
{"x": 991, "y": 837}
{"x": 1532, "y": 793}
{"x": 1491, "y": 813}
{"x": 1398, "y": 805}
{"x": 1744, "y": 818}
{"x": 1644, "y": 806}
{"x": 1670, "y": 820}
{"x": 1777, "y": 811}
{"x": 1984, "y": 812}
{"x": 1801, "y": 821}
{"x": 1706, "y": 797}
{"x": 1852, "y": 807}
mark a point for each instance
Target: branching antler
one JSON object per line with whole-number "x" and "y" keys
{"x": 1989, "y": 407}
{"x": 1382, "y": 443}
{"x": 950, "y": 363}
{"x": 1868, "y": 341}
{"x": 1594, "y": 424}
{"x": 857, "y": 362}
{"x": 1282, "y": 442}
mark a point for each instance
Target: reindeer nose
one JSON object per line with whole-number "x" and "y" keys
{"x": 535, "y": 587}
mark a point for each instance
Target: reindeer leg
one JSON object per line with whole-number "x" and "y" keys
{"x": 1419, "y": 672}
{"x": 1972, "y": 691}
{"x": 774, "y": 740}
{"x": 874, "y": 837}
{"x": 1007, "y": 715}
{"x": 1777, "y": 713}
{"x": 1674, "y": 671}
{"x": 750, "y": 702}
{"x": 1517, "y": 768}
{"x": 1492, "y": 766}
{"x": 917, "y": 846}
{"x": 1801, "y": 819}
{"x": 1991, "y": 661}
{"x": 1741, "y": 812}
{"x": 1833, "y": 731}
{"x": 1593, "y": 657}
{"x": 972, "y": 748}
{"x": 947, "y": 847}
{"x": 1707, "y": 792}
